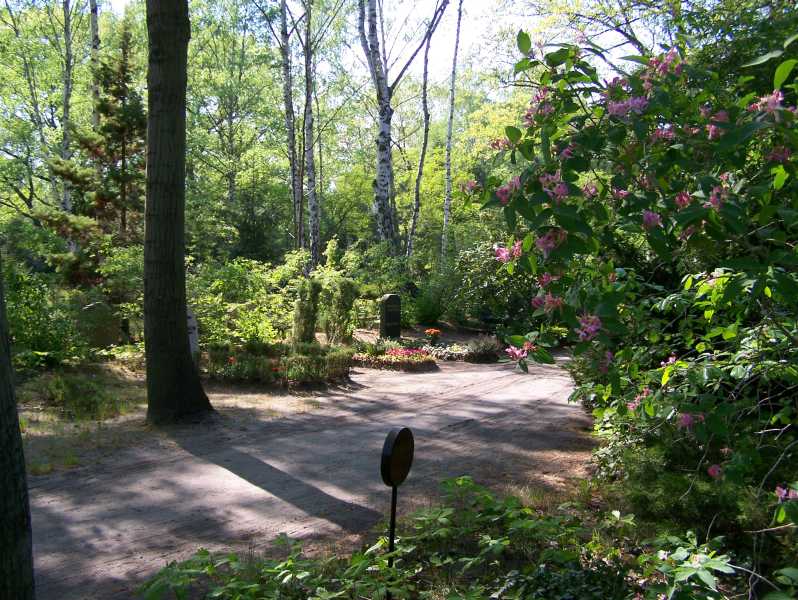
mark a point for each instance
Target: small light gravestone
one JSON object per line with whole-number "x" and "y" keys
{"x": 391, "y": 316}
{"x": 193, "y": 334}
{"x": 397, "y": 458}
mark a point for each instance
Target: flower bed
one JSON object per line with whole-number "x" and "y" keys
{"x": 397, "y": 359}
{"x": 279, "y": 364}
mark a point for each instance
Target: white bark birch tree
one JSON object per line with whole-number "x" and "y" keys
{"x": 94, "y": 60}
{"x": 447, "y": 199}
{"x": 314, "y": 214}
{"x": 423, "y": 155}
{"x": 371, "y": 27}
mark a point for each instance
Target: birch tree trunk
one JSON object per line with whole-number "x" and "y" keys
{"x": 314, "y": 216}
{"x": 447, "y": 199}
{"x": 16, "y": 557}
{"x": 290, "y": 120}
{"x": 94, "y": 60}
{"x": 420, "y": 173}
{"x": 66, "y": 104}
{"x": 174, "y": 391}
{"x": 369, "y": 28}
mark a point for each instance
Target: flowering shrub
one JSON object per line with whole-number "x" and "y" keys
{"x": 659, "y": 213}
{"x": 399, "y": 359}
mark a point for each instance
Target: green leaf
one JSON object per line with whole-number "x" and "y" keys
{"x": 783, "y": 72}
{"x": 790, "y": 40}
{"x": 780, "y": 177}
{"x": 707, "y": 578}
{"x": 513, "y": 134}
{"x": 524, "y": 42}
{"x": 636, "y": 58}
{"x": 764, "y": 58}
{"x": 516, "y": 340}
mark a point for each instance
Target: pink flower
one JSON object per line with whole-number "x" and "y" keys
{"x": 651, "y": 219}
{"x": 567, "y": 152}
{"x": 589, "y": 327}
{"x": 553, "y": 185}
{"x": 714, "y": 471}
{"x": 500, "y": 144}
{"x": 503, "y": 194}
{"x": 786, "y": 494}
{"x": 633, "y": 405}
{"x": 538, "y": 302}
{"x": 515, "y": 353}
{"x": 469, "y": 186}
{"x": 716, "y": 197}
{"x": 552, "y": 303}
{"x": 546, "y": 279}
{"x": 663, "y": 134}
{"x": 780, "y": 154}
{"x": 670, "y": 361}
{"x": 687, "y": 420}
{"x": 516, "y": 250}
{"x": 622, "y": 108}
{"x": 503, "y": 254}
{"x": 619, "y": 193}
{"x": 514, "y": 184}
{"x": 771, "y": 103}
{"x": 705, "y": 111}
{"x": 683, "y": 199}
{"x": 552, "y": 239}
{"x": 590, "y": 189}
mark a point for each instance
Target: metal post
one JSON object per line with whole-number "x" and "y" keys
{"x": 392, "y": 535}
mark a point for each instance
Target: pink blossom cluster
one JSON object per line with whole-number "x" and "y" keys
{"x": 651, "y": 219}
{"x": 718, "y": 194}
{"x": 635, "y": 404}
{"x": 501, "y": 144}
{"x": 664, "y": 64}
{"x": 779, "y": 154}
{"x": 663, "y": 134}
{"x": 715, "y": 471}
{"x": 469, "y": 187}
{"x": 687, "y": 420}
{"x": 769, "y": 104}
{"x": 549, "y": 303}
{"x": 621, "y": 108}
{"x": 786, "y": 494}
{"x": 505, "y": 191}
{"x": 515, "y": 353}
{"x": 670, "y": 361}
{"x": 589, "y": 327}
{"x": 540, "y": 106}
{"x": 713, "y": 130}
{"x": 554, "y": 186}
{"x": 567, "y": 152}
{"x": 590, "y": 189}
{"x": 545, "y": 279}
{"x": 505, "y": 255}
{"x": 552, "y": 239}
{"x": 683, "y": 199}
{"x": 619, "y": 193}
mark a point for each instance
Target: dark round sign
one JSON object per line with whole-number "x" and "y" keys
{"x": 397, "y": 456}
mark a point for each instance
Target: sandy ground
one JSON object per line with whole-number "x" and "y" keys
{"x": 311, "y": 472}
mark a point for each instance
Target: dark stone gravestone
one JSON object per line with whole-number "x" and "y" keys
{"x": 391, "y": 316}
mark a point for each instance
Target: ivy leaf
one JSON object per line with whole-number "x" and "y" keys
{"x": 783, "y": 72}
{"x": 524, "y": 42}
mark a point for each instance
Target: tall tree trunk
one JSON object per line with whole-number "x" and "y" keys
{"x": 16, "y": 549}
{"x": 290, "y": 128}
{"x": 447, "y": 199}
{"x": 369, "y": 28}
{"x": 174, "y": 390}
{"x": 314, "y": 216}
{"x": 94, "y": 61}
{"x": 383, "y": 183}
{"x": 420, "y": 173}
{"x": 66, "y": 101}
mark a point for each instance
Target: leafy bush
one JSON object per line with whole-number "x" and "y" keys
{"x": 473, "y": 546}
{"x": 306, "y": 310}
{"x": 484, "y": 349}
{"x": 76, "y": 396}
{"x": 42, "y": 320}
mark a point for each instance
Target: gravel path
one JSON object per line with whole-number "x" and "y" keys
{"x": 100, "y": 531}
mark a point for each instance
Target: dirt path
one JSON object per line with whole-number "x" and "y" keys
{"x": 99, "y": 531}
